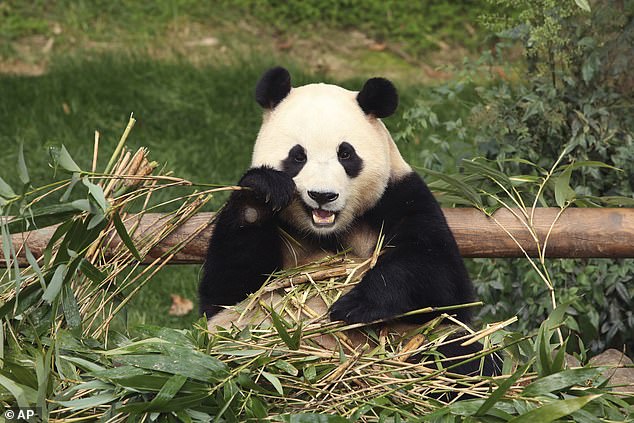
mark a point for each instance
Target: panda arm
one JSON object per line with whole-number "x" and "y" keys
{"x": 420, "y": 267}
{"x": 245, "y": 246}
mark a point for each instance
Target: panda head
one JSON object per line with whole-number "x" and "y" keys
{"x": 332, "y": 143}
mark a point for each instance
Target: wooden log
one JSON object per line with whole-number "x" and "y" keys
{"x": 577, "y": 233}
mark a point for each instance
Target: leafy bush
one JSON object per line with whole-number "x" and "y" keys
{"x": 572, "y": 92}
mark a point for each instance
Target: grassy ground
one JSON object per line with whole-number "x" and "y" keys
{"x": 193, "y": 102}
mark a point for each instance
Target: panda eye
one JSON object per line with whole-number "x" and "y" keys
{"x": 299, "y": 157}
{"x": 344, "y": 155}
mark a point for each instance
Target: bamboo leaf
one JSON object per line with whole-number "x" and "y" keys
{"x": 55, "y": 286}
{"x": 73, "y": 181}
{"x": 43, "y": 217}
{"x": 173, "y": 365}
{"x": 97, "y": 193}
{"x": 583, "y": 4}
{"x": 562, "y": 380}
{"x": 24, "y": 395}
{"x": 167, "y": 392}
{"x": 6, "y": 191}
{"x": 554, "y": 410}
{"x": 64, "y": 159}
{"x": 460, "y": 187}
{"x": 274, "y": 381}
{"x": 286, "y": 367}
{"x": 91, "y": 271}
{"x": 70, "y": 307}
{"x": 123, "y": 234}
{"x": 89, "y": 402}
{"x": 34, "y": 265}
{"x": 563, "y": 192}
{"x": 313, "y": 418}
{"x": 23, "y": 172}
{"x": 292, "y": 343}
{"x": 83, "y": 205}
{"x": 478, "y": 167}
{"x": 501, "y": 390}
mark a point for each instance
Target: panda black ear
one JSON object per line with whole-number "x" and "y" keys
{"x": 273, "y": 87}
{"x": 378, "y": 97}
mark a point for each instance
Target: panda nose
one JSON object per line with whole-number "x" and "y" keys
{"x": 323, "y": 197}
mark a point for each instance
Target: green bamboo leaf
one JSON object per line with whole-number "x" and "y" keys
{"x": 616, "y": 201}
{"x": 143, "y": 345}
{"x": 563, "y": 192}
{"x": 91, "y": 271}
{"x": 43, "y": 371}
{"x": 55, "y": 286}
{"x": 97, "y": 193}
{"x": 83, "y": 205}
{"x": 286, "y": 367}
{"x": 6, "y": 245}
{"x": 583, "y": 4}
{"x": 167, "y": 392}
{"x": 34, "y": 265}
{"x": 23, "y": 172}
{"x": 6, "y": 191}
{"x": 292, "y": 343}
{"x": 42, "y": 217}
{"x": 24, "y": 395}
{"x": 70, "y": 307}
{"x": 485, "y": 169}
{"x": 542, "y": 345}
{"x": 554, "y": 410}
{"x": 274, "y": 381}
{"x": 64, "y": 159}
{"x": 96, "y": 219}
{"x": 310, "y": 373}
{"x": 123, "y": 234}
{"x": 313, "y": 418}
{"x": 182, "y": 402}
{"x": 172, "y": 365}
{"x": 73, "y": 181}
{"x": 562, "y": 380}
{"x": 501, "y": 390}
{"x": 459, "y": 186}
{"x": 82, "y": 363}
{"x": 89, "y": 402}
{"x": 593, "y": 163}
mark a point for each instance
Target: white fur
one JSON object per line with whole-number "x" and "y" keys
{"x": 319, "y": 117}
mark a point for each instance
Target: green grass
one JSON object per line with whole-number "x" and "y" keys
{"x": 418, "y": 26}
{"x": 199, "y": 121}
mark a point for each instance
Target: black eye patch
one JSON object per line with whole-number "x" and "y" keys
{"x": 349, "y": 159}
{"x": 295, "y": 161}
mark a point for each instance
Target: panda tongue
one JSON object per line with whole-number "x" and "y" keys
{"x": 323, "y": 217}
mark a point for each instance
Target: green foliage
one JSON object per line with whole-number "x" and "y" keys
{"x": 573, "y": 94}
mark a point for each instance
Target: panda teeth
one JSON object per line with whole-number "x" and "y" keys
{"x": 323, "y": 217}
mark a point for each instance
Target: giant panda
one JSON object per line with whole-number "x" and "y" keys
{"x": 326, "y": 171}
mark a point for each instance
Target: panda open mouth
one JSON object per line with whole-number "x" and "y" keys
{"x": 323, "y": 217}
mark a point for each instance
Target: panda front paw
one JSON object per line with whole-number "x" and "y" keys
{"x": 269, "y": 187}
{"x": 355, "y": 307}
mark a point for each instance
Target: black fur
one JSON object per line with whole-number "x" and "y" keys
{"x": 242, "y": 253}
{"x": 378, "y": 98}
{"x": 273, "y": 87}
{"x": 349, "y": 159}
{"x": 421, "y": 266}
{"x": 295, "y": 161}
